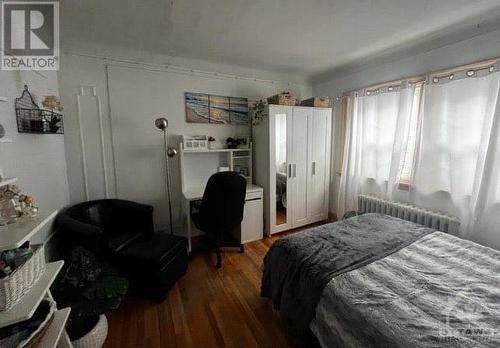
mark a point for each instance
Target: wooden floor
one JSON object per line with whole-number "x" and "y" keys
{"x": 207, "y": 308}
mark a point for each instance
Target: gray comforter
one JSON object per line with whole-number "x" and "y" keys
{"x": 440, "y": 291}
{"x": 298, "y": 267}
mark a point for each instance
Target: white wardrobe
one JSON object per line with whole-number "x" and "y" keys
{"x": 292, "y": 163}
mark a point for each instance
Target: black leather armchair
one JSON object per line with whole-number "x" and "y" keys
{"x": 121, "y": 232}
{"x": 106, "y": 226}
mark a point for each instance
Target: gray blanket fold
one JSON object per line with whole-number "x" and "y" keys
{"x": 298, "y": 267}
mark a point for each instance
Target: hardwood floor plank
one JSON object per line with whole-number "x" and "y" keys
{"x": 181, "y": 328}
{"x": 151, "y": 328}
{"x": 166, "y": 326}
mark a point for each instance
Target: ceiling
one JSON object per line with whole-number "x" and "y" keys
{"x": 306, "y": 37}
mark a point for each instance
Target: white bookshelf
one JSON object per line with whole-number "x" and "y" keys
{"x": 56, "y": 328}
{"x": 13, "y": 236}
{"x": 19, "y": 232}
{"x": 26, "y": 307}
{"x": 198, "y": 165}
{"x": 211, "y": 150}
{"x": 7, "y": 181}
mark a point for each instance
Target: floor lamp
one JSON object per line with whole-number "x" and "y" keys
{"x": 162, "y": 124}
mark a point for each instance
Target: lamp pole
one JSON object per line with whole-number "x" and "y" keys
{"x": 162, "y": 124}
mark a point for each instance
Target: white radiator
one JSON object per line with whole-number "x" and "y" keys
{"x": 437, "y": 221}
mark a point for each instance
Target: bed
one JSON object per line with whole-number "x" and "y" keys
{"x": 378, "y": 281}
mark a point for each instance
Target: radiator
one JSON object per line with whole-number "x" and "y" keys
{"x": 437, "y": 221}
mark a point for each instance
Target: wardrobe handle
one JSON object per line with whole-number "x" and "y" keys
{"x": 314, "y": 168}
{"x": 290, "y": 170}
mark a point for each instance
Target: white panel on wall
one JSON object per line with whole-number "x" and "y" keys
{"x": 90, "y": 121}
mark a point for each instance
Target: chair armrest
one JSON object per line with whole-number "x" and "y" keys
{"x": 75, "y": 232}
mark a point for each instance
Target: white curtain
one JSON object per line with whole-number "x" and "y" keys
{"x": 457, "y": 162}
{"x": 377, "y": 127}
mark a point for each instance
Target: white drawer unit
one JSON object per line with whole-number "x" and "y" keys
{"x": 252, "y": 226}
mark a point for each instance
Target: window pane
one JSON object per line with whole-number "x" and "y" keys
{"x": 411, "y": 136}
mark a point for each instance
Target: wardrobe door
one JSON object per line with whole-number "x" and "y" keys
{"x": 299, "y": 165}
{"x": 280, "y": 168}
{"x": 318, "y": 165}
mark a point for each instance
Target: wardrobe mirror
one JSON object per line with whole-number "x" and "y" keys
{"x": 281, "y": 169}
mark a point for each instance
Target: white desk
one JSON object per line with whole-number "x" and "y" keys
{"x": 252, "y": 224}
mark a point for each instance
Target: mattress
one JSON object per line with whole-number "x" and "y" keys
{"x": 440, "y": 291}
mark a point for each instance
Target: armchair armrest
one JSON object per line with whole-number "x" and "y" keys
{"x": 75, "y": 232}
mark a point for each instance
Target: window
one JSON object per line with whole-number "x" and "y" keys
{"x": 411, "y": 136}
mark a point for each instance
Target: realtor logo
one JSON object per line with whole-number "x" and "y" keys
{"x": 30, "y": 35}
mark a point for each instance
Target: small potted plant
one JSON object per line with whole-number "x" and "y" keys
{"x": 91, "y": 289}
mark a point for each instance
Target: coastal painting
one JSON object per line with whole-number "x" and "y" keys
{"x": 197, "y": 108}
{"x": 239, "y": 111}
{"x": 216, "y": 109}
{"x": 220, "y": 107}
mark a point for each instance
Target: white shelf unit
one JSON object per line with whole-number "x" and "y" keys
{"x": 7, "y": 181}
{"x": 242, "y": 158}
{"x": 198, "y": 165}
{"x": 26, "y": 307}
{"x": 12, "y": 236}
{"x": 16, "y": 234}
{"x": 56, "y": 329}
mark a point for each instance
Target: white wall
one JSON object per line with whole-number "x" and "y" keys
{"x": 460, "y": 53}
{"x": 37, "y": 160}
{"x": 122, "y": 150}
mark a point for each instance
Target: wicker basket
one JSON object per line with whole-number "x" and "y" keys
{"x": 319, "y": 102}
{"x": 36, "y": 336}
{"x": 13, "y": 287}
{"x": 285, "y": 98}
{"x": 11, "y": 336}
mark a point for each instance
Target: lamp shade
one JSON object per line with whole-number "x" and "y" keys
{"x": 161, "y": 123}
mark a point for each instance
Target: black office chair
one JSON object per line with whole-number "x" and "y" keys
{"x": 221, "y": 210}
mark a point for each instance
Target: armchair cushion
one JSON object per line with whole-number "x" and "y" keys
{"x": 115, "y": 244}
{"x": 77, "y": 232}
